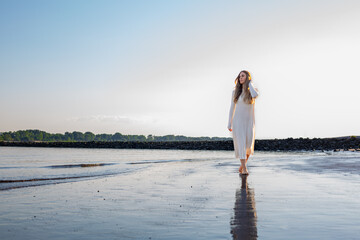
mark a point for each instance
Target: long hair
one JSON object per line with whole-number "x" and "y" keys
{"x": 240, "y": 88}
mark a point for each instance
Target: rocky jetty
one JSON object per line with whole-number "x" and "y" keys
{"x": 289, "y": 144}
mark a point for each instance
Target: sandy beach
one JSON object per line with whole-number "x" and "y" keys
{"x": 197, "y": 196}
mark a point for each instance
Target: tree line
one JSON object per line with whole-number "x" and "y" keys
{"x": 37, "y": 135}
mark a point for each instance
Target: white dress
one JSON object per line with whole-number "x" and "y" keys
{"x": 242, "y": 123}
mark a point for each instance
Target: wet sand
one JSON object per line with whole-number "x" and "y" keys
{"x": 190, "y": 200}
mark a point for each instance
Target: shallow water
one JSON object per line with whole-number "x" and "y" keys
{"x": 54, "y": 193}
{"x": 23, "y": 167}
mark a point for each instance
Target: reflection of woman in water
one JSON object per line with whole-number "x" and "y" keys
{"x": 242, "y": 118}
{"x": 243, "y": 224}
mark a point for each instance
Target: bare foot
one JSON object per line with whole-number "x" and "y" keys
{"x": 245, "y": 172}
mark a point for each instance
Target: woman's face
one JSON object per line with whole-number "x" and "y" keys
{"x": 242, "y": 77}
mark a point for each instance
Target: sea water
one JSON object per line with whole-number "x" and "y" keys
{"x": 70, "y": 193}
{"x": 26, "y": 166}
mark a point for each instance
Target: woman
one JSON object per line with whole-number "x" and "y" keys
{"x": 242, "y": 118}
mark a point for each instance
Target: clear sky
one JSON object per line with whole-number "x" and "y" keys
{"x": 168, "y": 67}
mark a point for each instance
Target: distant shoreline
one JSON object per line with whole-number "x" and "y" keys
{"x": 289, "y": 144}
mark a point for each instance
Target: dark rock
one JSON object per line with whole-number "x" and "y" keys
{"x": 289, "y": 144}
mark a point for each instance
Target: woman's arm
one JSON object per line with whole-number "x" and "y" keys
{"x": 253, "y": 91}
{"x": 231, "y": 112}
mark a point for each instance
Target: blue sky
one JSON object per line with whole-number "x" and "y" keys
{"x": 168, "y": 67}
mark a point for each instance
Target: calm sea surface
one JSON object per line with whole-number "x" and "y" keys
{"x": 23, "y": 167}
{"x": 69, "y": 193}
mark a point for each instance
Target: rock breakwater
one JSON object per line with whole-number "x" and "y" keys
{"x": 289, "y": 144}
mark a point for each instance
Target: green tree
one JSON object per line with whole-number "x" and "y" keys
{"x": 118, "y": 137}
{"x": 7, "y": 136}
{"x": 78, "y": 136}
{"x": 150, "y": 138}
{"x": 89, "y": 136}
{"x": 103, "y": 137}
{"x": 141, "y": 138}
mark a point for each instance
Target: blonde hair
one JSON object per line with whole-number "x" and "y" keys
{"x": 240, "y": 88}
